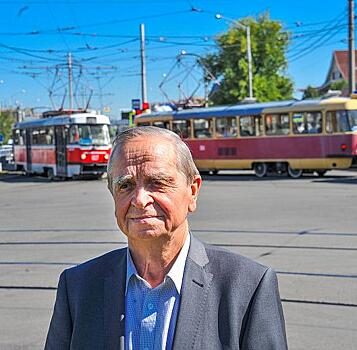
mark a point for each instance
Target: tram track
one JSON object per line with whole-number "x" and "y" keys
{"x": 279, "y": 272}
{"x": 284, "y": 300}
{"x": 230, "y": 245}
{"x": 309, "y": 232}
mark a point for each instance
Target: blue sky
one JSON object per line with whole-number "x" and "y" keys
{"x": 103, "y": 36}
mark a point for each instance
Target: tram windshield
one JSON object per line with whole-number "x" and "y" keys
{"x": 89, "y": 135}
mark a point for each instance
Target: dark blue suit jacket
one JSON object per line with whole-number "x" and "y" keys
{"x": 228, "y": 302}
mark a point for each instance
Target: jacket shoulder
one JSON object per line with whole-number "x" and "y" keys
{"x": 97, "y": 266}
{"x": 234, "y": 266}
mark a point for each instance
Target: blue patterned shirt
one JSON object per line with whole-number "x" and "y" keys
{"x": 151, "y": 313}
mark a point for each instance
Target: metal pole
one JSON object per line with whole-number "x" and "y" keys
{"x": 249, "y": 54}
{"x": 70, "y": 80}
{"x": 351, "y": 48}
{"x": 143, "y": 65}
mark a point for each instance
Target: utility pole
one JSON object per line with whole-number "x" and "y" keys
{"x": 249, "y": 56}
{"x": 351, "y": 47}
{"x": 69, "y": 62}
{"x": 143, "y": 65}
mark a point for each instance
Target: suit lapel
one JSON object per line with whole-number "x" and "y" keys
{"x": 195, "y": 287}
{"x": 114, "y": 303}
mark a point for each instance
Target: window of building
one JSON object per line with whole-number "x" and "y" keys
{"x": 226, "y": 127}
{"x": 277, "y": 124}
{"x": 182, "y": 128}
{"x": 203, "y": 128}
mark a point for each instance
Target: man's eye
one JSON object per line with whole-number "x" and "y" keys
{"x": 124, "y": 186}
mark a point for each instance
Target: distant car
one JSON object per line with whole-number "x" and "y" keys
{"x": 6, "y": 153}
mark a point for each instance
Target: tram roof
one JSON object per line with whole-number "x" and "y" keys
{"x": 220, "y": 111}
{"x": 228, "y": 111}
{"x": 63, "y": 120}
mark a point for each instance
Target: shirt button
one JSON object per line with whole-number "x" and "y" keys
{"x": 150, "y": 307}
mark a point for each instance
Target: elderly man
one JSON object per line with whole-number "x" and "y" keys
{"x": 167, "y": 290}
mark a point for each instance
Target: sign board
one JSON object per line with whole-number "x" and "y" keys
{"x": 135, "y": 103}
{"x": 1, "y": 138}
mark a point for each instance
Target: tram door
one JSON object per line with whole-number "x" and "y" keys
{"x": 28, "y": 150}
{"x": 61, "y": 152}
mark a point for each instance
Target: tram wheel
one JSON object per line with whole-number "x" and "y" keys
{"x": 50, "y": 174}
{"x": 260, "y": 169}
{"x": 321, "y": 173}
{"x": 294, "y": 173}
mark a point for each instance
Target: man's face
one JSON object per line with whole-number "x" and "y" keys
{"x": 151, "y": 196}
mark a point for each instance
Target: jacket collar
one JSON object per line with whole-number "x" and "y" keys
{"x": 114, "y": 303}
{"x": 196, "y": 284}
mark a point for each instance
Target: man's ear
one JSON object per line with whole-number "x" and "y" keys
{"x": 195, "y": 188}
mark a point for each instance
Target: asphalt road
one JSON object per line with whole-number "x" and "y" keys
{"x": 306, "y": 229}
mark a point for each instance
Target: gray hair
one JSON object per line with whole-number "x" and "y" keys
{"x": 185, "y": 163}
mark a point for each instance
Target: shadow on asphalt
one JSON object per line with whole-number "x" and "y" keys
{"x": 306, "y": 177}
{"x": 18, "y": 177}
{"x": 347, "y": 180}
{"x": 15, "y": 177}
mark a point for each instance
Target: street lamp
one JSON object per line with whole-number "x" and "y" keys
{"x": 249, "y": 50}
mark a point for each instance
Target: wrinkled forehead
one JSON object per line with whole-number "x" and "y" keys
{"x": 142, "y": 150}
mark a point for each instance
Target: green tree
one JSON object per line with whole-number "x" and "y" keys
{"x": 6, "y": 122}
{"x": 311, "y": 92}
{"x": 268, "y": 45}
{"x": 339, "y": 85}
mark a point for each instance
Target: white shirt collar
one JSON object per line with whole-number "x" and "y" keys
{"x": 175, "y": 273}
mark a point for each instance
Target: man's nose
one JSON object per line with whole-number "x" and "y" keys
{"x": 141, "y": 198}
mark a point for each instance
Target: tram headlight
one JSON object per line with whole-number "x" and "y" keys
{"x": 343, "y": 147}
{"x": 106, "y": 156}
{"x": 83, "y": 156}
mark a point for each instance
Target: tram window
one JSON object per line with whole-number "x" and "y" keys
{"x": 49, "y": 136}
{"x": 182, "y": 128}
{"x": 16, "y": 136}
{"x": 277, "y": 124}
{"x": 19, "y": 137}
{"x": 73, "y": 134}
{"x": 352, "y": 117}
{"x": 342, "y": 121}
{"x": 314, "y": 122}
{"x": 330, "y": 122}
{"x": 143, "y": 124}
{"x": 258, "y": 122}
{"x": 247, "y": 126}
{"x": 163, "y": 125}
{"x": 337, "y": 122}
{"x": 226, "y": 127}
{"x": 35, "y": 137}
{"x": 299, "y": 125}
{"x": 45, "y": 136}
{"x": 203, "y": 128}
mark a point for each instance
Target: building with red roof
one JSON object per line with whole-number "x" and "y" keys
{"x": 338, "y": 70}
